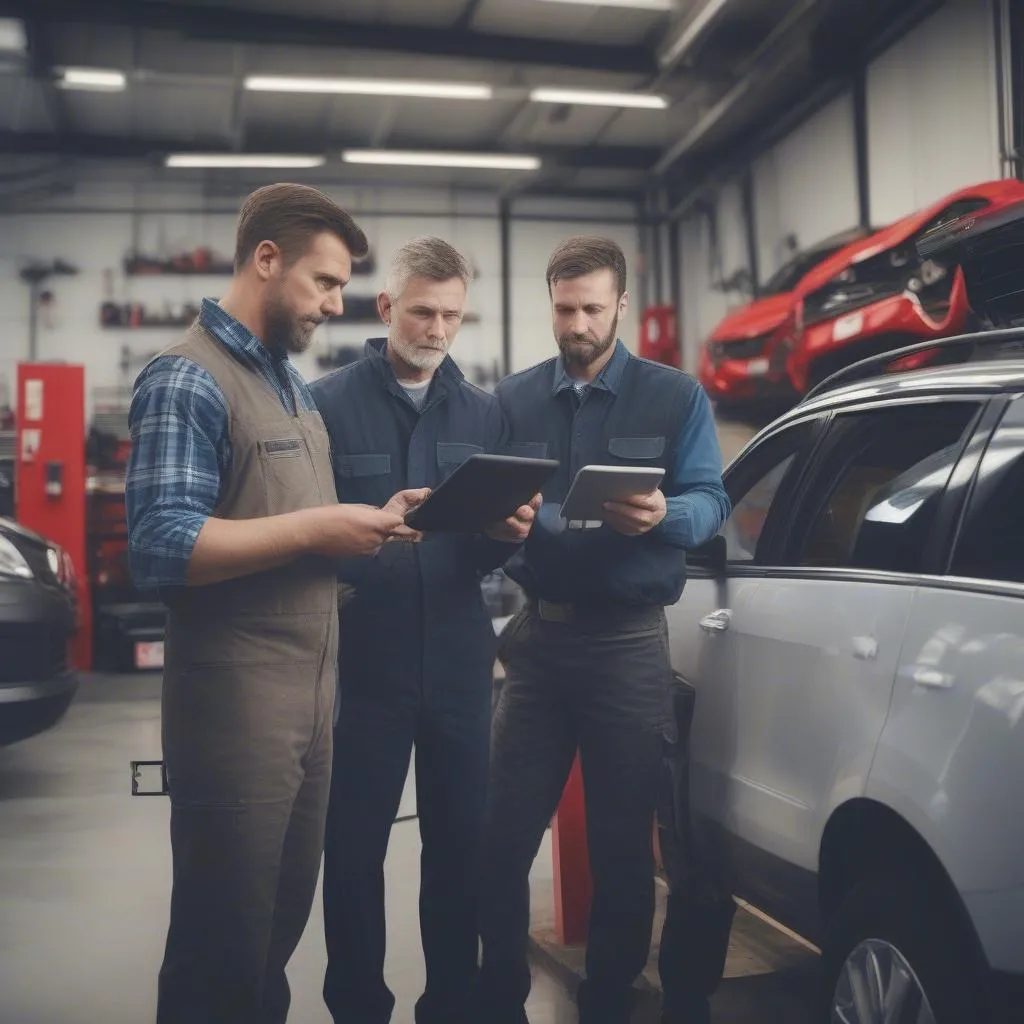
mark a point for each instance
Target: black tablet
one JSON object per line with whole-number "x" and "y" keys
{"x": 484, "y": 490}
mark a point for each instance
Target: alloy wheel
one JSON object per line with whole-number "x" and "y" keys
{"x": 878, "y": 986}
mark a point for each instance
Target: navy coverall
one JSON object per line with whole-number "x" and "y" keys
{"x": 416, "y": 667}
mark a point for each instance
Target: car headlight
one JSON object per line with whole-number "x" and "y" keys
{"x": 742, "y": 348}
{"x": 12, "y": 562}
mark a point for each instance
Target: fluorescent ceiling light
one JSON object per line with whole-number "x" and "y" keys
{"x": 370, "y": 87}
{"x": 12, "y": 36}
{"x": 599, "y": 99}
{"x": 486, "y": 161}
{"x": 98, "y": 79}
{"x": 242, "y": 160}
{"x": 645, "y": 5}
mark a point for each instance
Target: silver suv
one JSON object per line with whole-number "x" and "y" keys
{"x": 856, "y": 644}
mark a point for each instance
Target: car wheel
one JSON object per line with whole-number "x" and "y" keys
{"x": 896, "y": 954}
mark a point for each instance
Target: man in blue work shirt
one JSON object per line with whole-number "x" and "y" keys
{"x": 587, "y": 660}
{"x": 417, "y": 647}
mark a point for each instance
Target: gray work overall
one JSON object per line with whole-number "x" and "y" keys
{"x": 248, "y": 695}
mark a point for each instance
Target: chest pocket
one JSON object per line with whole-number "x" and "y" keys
{"x": 350, "y": 466}
{"x": 528, "y": 449}
{"x": 288, "y": 477}
{"x": 642, "y": 451}
{"x": 451, "y": 455}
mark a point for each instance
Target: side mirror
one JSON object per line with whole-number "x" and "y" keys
{"x": 711, "y": 556}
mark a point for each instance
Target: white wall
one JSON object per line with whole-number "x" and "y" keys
{"x": 932, "y": 128}
{"x": 97, "y": 242}
{"x": 704, "y": 269}
{"x": 932, "y": 111}
{"x": 806, "y": 185}
{"x": 532, "y": 243}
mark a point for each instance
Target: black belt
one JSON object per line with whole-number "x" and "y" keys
{"x": 607, "y": 613}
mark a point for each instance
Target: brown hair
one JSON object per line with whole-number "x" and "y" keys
{"x": 584, "y": 254}
{"x": 289, "y": 216}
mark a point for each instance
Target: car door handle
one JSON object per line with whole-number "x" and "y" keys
{"x": 865, "y": 648}
{"x": 717, "y": 621}
{"x": 928, "y": 677}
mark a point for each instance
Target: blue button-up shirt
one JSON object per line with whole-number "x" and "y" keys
{"x": 634, "y": 413}
{"x": 696, "y": 505}
{"x": 181, "y": 450}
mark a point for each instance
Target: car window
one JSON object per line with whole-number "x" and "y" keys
{"x": 754, "y": 485}
{"x": 788, "y": 276}
{"x": 991, "y": 542}
{"x": 960, "y": 208}
{"x": 884, "y": 473}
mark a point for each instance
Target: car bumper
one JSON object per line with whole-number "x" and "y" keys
{"x": 738, "y": 380}
{"x": 29, "y": 691}
{"x": 36, "y": 623}
{"x": 890, "y": 323}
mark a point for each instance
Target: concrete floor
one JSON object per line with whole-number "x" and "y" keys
{"x": 85, "y": 877}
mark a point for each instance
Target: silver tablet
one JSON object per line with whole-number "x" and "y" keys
{"x": 594, "y": 485}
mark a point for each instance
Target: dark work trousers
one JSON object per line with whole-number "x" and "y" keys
{"x": 700, "y": 908}
{"x": 600, "y": 683}
{"x": 374, "y": 738}
{"x": 248, "y": 802}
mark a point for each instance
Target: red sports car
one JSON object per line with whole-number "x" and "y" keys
{"x": 879, "y": 294}
{"x": 858, "y": 299}
{"x": 736, "y": 364}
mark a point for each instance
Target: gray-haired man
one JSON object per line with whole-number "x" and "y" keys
{"x": 417, "y": 646}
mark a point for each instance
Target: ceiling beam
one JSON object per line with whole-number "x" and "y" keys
{"x": 465, "y": 19}
{"x": 231, "y": 25}
{"x": 628, "y": 158}
{"x": 40, "y": 67}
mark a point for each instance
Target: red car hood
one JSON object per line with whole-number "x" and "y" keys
{"x": 757, "y": 317}
{"x": 999, "y": 194}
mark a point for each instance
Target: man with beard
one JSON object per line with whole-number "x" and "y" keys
{"x": 417, "y": 647}
{"x": 586, "y": 660}
{"x": 232, "y": 515}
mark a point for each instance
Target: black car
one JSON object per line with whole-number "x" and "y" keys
{"x": 38, "y": 617}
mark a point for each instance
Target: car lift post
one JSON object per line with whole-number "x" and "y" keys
{"x": 50, "y": 473}
{"x": 573, "y": 884}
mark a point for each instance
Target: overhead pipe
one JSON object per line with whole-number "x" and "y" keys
{"x": 1009, "y": 155}
{"x": 673, "y": 53}
{"x": 749, "y": 73}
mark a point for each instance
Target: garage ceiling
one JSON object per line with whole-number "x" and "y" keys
{"x": 726, "y": 68}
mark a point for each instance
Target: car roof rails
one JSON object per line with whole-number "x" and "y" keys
{"x": 1006, "y": 343}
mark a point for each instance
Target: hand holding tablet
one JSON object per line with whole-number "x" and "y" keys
{"x": 485, "y": 491}
{"x": 626, "y": 498}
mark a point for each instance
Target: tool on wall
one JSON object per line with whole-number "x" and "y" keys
{"x": 34, "y": 275}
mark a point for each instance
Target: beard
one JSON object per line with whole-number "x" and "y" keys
{"x": 419, "y": 357}
{"x": 286, "y": 331}
{"x": 583, "y": 350}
